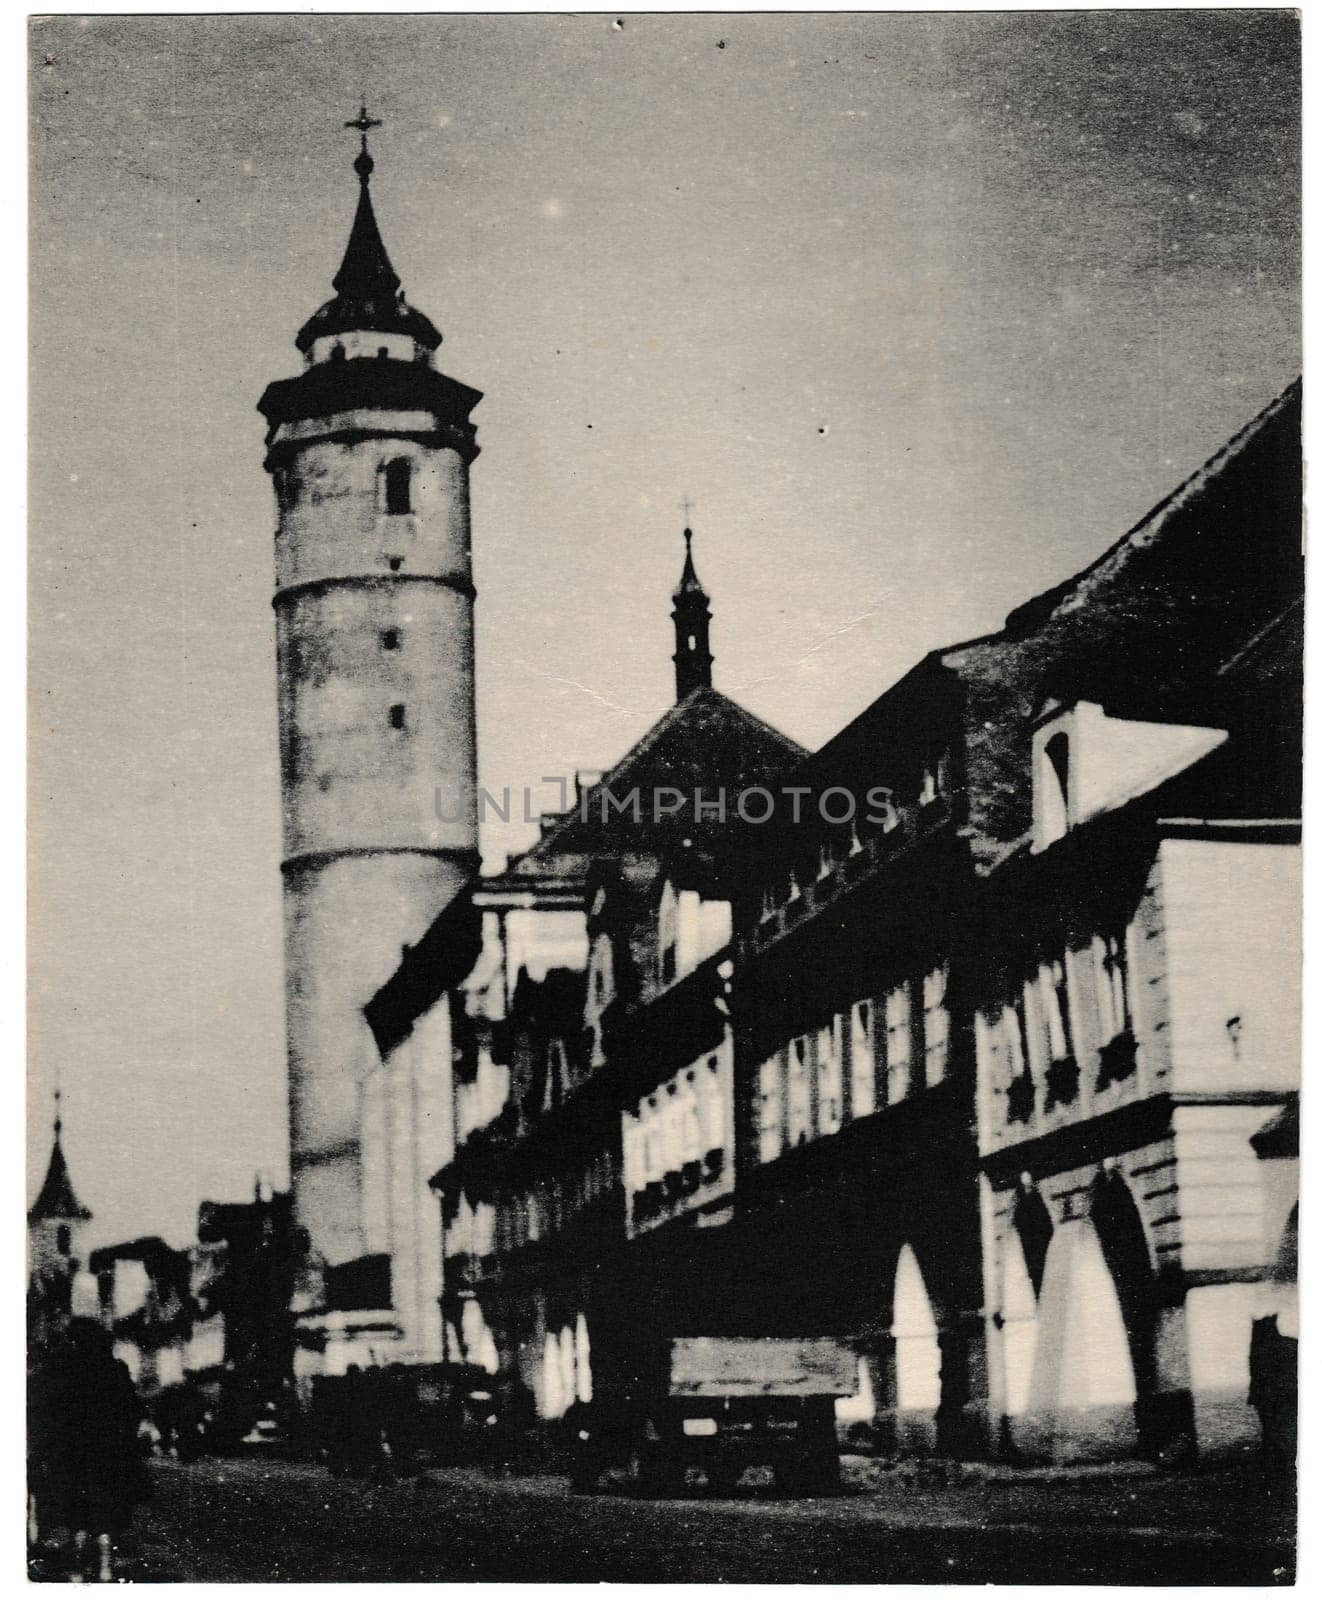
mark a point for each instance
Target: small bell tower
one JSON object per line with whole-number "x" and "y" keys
{"x": 692, "y": 618}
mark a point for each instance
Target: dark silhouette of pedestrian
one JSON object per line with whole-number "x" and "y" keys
{"x": 86, "y": 1468}
{"x": 1274, "y": 1392}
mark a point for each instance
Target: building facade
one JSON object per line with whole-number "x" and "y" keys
{"x": 963, "y": 1057}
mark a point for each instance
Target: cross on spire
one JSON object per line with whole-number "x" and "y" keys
{"x": 363, "y": 124}
{"x": 687, "y": 507}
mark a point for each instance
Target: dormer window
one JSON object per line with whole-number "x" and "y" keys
{"x": 397, "y": 490}
{"x": 1053, "y": 777}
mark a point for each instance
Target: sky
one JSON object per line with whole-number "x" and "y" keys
{"x": 919, "y": 311}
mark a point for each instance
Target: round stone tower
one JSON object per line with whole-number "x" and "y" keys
{"x": 369, "y": 450}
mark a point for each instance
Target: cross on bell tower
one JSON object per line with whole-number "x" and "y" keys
{"x": 363, "y": 124}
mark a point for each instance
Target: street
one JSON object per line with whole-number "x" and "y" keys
{"x": 255, "y": 1519}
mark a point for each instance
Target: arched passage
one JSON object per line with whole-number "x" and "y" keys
{"x": 917, "y": 1356}
{"x": 1024, "y": 1260}
{"x": 1124, "y": 1245}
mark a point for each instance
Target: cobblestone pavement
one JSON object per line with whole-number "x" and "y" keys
{"x": 267, "y": 1519}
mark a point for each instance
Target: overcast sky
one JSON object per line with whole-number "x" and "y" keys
{"x": 921, "y": 311}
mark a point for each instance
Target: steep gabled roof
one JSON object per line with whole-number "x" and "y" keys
{"x": 706, "y": 742}
{"x": 1209, "y": 578}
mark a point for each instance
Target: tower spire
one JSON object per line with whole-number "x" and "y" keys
{"x": 368, "y": 293}
{"x": 692, "y": 619}
{"x": 56, "y": 1200}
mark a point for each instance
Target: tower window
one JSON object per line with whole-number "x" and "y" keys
{"x": 286, "y": 489}
{"x": 397, "y": 716}
{"x": 390, "y": 639}
{"x": 398, "y": 475}
{"x": 382, "y": 354}
{"x": 63, "y": 1238}
{"x": 337, "y": 352}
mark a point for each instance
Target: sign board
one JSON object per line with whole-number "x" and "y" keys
{"x": 729, "y": 1367}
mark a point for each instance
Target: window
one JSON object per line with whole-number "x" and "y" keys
{"x": 390, "y": 639}
{"x": 689, "y": 1120}
{"x": 1055, "y": 1010}
{"x": 830, "y": 1068}
{"x": 899, "y": 1044}
{"x": 397, "y": 716}
{"x": 63, "y": 1239}
{"x": 667, "y": 933}
{"x": 651, "y": 1120}
{"x": 398, "y": 475}
{"x": 862, "y": 1060}
{"x": 337, "y": 352}
{"x": 396, "y": 562}
{"x": 1021, "y": 1091}
{"x": 1062, "y": 1074}
{"x": 713, "y": 1104}
{"x": 770, "y": 1110}
{"x": 286, "y": 489}
{"x": 601, "y": 976}
{"x": 382, "y": 353}
{"x": 672, "y": 1128}
{"x": 1111, "y": 969}
{"x": 799, "y": 1109}
{"x": 936, "y": 1026}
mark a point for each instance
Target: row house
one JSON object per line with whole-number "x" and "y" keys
{"x": 1018, "y": 986}
{"x": 856, "y": 1183}
{"x": 1137, "y": 1020}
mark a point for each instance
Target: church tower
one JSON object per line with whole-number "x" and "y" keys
{"x": 56, "y": 1223}
{"x": 369, "y": 450}
{"x": 692, "y": 619}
